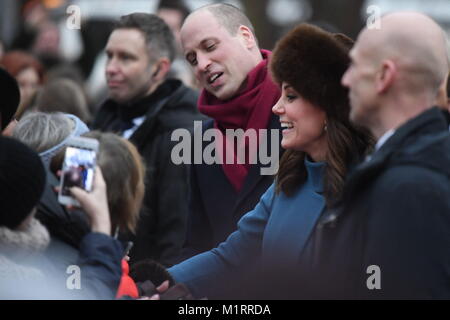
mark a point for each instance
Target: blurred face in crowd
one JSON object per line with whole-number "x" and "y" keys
{"x": 128, "y": 68}
{"x": 173, "y": 19}
{"x": 360, "y": 78}
{"x": 28, "y": 81}
{"x": 303, "y": 124}
{"x": 220, "y": 60}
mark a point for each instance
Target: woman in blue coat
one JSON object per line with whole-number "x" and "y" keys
{"x": 321, "y": 144}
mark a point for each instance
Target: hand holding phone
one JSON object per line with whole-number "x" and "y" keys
{"x": 78, "y": 168}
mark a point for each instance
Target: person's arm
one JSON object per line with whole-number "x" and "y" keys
{"x": 196, "y": 242}
{"x": 171, "y": 205}
{"x": 100, "y": 255}
{"x": 213, "y": 271}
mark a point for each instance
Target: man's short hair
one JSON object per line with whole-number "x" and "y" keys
{"x": 177, "y": 5}
{"x": 158, "y": 36}
{"x": 230, "y": 17}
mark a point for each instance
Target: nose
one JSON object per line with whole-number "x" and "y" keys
{"x": 111, "y": 66}
{"x": 345, "y": 81}
{"x": 278, "y": 108}
{"x": 203, "y": 62}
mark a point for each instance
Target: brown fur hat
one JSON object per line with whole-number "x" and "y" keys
{"x": 313, "y": 62}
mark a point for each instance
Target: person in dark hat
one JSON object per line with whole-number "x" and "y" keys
{"x": 25, "y": 273}
{"x": 10, "y": 101}
{"x": 320, "y": 144}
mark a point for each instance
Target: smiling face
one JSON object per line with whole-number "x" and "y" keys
{"x": 302, "y": 124}
{"x": 220, "y": 60}
{"x": 128, "y": 68}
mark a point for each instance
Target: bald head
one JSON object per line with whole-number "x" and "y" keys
{"x": 417, "y": 46}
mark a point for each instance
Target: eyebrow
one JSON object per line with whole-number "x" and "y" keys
{"x": 286, "y": 86}
{"x": 202, "y": 43}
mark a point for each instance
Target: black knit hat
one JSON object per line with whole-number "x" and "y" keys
{"x": 313, "y": 62}
{"x": 22, "y": 181}
{"x": 10, "y": 97}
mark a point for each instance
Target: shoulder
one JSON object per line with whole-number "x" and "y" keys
{"x": 181, "y": 94}
{"x": 401, "y": 177}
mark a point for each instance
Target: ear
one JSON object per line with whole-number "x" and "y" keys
{"x": 247, "y": 36}
{"x": 386, "y": 76}
{"x": 160, "y": 69}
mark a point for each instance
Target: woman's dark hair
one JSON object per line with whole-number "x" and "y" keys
{"x": 313, "y": 62}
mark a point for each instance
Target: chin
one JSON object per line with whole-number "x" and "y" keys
{"x": 285, "y": 145}
{"x": 117, "y": 97}
{"x": 224, "y": 93}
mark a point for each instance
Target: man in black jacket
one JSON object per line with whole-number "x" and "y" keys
{"x": 146, "y": 107}
{"x": 390, "y": 238}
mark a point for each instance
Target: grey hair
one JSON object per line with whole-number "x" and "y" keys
{"x": 47, "y": 133}
{"x": 41, "y": 131}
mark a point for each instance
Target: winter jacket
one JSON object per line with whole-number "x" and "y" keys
{"x": 268, "y": 241}
{"x": 162, "y": 223}
{"x": 26, "y": 273}
{"x": 69, "y": 227}
{"x": 215, "y": 206}
{"x": 390, "y": 236}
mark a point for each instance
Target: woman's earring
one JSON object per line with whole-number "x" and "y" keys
{"x": 325, "y": 128}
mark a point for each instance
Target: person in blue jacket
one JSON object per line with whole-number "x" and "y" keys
{"x": 321, "y": 144}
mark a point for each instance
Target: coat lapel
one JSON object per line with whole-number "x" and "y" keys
{"x": 141, "y": 135}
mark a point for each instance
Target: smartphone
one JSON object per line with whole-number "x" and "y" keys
{"x": 78, "y": 168}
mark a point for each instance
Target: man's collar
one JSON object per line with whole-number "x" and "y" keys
{"x": 384, "y": 138}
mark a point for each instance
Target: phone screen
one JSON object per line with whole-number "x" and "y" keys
{"x": 79, "y": 166}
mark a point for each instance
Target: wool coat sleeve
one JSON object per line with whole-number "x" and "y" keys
{"x": 215, "y": 270}
{"x": 170, "y": 198}
{"x": 407, "y": 234}
{"x": 100, "y": 263}
{"x": 199, "y": 231}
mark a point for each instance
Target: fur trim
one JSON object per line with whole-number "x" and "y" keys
{"x": 19, "y": 244}
{"x": 33, "y": 238}
{"x": 313, "y": 62}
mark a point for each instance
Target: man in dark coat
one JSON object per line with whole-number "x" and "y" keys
{"x": 390, "y": 237}
{"x": 146, "y": 107}
{"x": 238, "y": 94}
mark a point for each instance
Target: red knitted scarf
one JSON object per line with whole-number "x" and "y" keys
{"x": 251, "y": 109}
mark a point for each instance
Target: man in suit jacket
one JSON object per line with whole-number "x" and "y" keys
{"x": 219, "y": 43}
